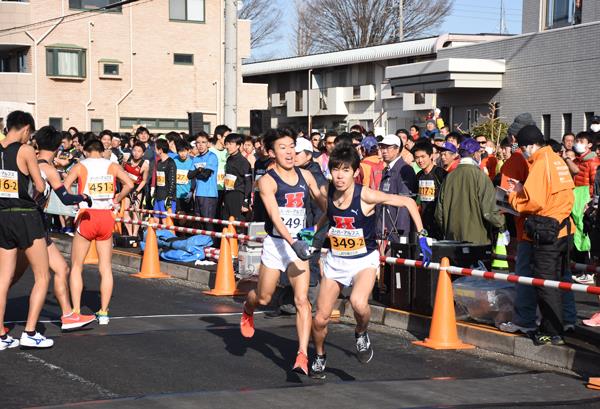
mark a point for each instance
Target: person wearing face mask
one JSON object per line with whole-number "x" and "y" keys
{"x": 586, "y": 160}
{"x": 546, "y": 200}
{"x": 489, "y": 162}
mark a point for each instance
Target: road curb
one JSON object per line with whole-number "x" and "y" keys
{"x": 484, "y": 337}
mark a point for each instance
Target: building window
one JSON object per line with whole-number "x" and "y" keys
{"x": 186, "y": 10}
{"x": 97, "y": 125}
{"x": 546, "y": 125}
{"x": 475, "y": 116}
{"x": 22, "y": 61}
{"x": 562, "y": 13}
{"x": 356, "y": 92}
{"x": 323, "y": 100}
{"x": 56, "y": 123}
{"x": 299, "y": 101}
{"x": 65, "y": 62}
{"x": 183, "y": 59}
{"x": 419, "y": 98}
{"x": 111, "y": 69}
{"x": 567, "y": 123}
{"x": 588, "y": 120}
{"x": 94, "y": 4}
{"x": 157, "y": 123}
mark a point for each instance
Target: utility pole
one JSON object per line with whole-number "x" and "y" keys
{"x": 231, "y": 58}
{"x": 502, "y": 29}
{"x": 400, "y": 25}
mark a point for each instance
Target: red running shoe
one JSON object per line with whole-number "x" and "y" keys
{"x": 247, "y": 324}
{"x": 75, "y": 321}
{"x": 301, "y": 365}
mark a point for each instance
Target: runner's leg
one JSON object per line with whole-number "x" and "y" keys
{"x": 21, "y": 267}
{"x": 359, "y": 298}
{"x": 7, "y": 268}
{"x": 104, "y": 249}
{"x": 299, "y": 275}
{"x": 79, "y": 250}
{"x": 61, "y": 274}
{"x": 328, "y": 294}
{"x": 267, "y": 283}
{"x": 37, "y": 255}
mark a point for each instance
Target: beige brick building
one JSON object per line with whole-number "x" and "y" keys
{"x": 148, "y": 62}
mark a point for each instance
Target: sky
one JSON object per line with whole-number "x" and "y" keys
{"x": 467, "y": 17}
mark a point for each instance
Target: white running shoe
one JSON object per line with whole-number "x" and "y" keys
{"x": 103, "y": 318}
{"x": 9, "y": 342}
{"x": 35, "y": 341}
{"x": 512, "y": 328}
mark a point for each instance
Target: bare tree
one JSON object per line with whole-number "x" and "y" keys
{"x": 344, "y": 24}
{"x": 303, "y": 40}
{"x": 266, "y": 18}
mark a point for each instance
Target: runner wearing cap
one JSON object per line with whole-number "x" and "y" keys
{"x": 353, "y": 259}
{"x": 285, "y": 191}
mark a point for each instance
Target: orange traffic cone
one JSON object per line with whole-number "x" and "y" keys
{"x": 225, "y": 280}
{"x": 168, "y": 222}
{"x": 594, "y": 383}
{"x": 150, "y": 261}
{"x": 443, "y": 334}
{"x": 92, "y": 255}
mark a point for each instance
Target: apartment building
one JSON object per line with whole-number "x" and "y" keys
{"x": 97, "y": 64}
{"x": 339, "y": 89}
{"x": 551, "y": 71}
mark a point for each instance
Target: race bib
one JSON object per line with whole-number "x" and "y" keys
{"x": 160, "y": 179}
{"x": 133, "y": 177}
{"x": 9, "y": 184}
{"x": 229, "y": 182}
{"x": 220, "y": 177}
{"x": 347, "y": 242}
{"x": 101, "y": 187}
{"x": 426, "y": 190}
{"x": 200, "y": 165}
{"x": 182, "y": 178}
{"x": 293, "y": 218}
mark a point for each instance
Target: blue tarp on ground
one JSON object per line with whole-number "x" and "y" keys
{"x": 173, "y": 248}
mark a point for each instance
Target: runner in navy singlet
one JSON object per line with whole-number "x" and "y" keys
{"x": 285, "y": 191}
{"x": 353, "y": 258}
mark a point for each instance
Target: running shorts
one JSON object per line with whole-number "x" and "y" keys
{"x": 343, "y": 270}
{"x": 277, "y": 254}
{"x": 96, "y": 224}
{"x": 19, "y": 228}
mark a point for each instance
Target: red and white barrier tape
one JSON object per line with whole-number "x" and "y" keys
{"x": 588, "y": 268}
{"x": 242, "y": 237}
{"x": 488, "y": 275}
{"x": 190, "y": 218}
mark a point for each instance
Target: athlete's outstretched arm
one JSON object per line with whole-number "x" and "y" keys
{"x": 268, "y": 187}
{"x": 318, "y": 193}
{"x": 375, "y": 197}
{"x": 71, "y": 177}
{"x": 56, "y": 184}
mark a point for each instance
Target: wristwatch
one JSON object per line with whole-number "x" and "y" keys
{"x": 423, "y": 233}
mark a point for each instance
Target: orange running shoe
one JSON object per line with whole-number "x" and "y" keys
{"x": 301, "y": 365}
{"x": 75, "y": 320}
{"x": 247, "y": 324}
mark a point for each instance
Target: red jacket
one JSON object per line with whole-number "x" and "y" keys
{"x": 587, "y": 163}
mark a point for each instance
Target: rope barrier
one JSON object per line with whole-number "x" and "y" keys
{"x": 488, "y": 275}
{"x": 190, "y": 218}
{"x": 588, "y": 268}
{"x": 242, "y": 237}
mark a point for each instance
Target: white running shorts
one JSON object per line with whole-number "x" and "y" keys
{"x": 277, "y": 254}
{"x": 343, "y": 270}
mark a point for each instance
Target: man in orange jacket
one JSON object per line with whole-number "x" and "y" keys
{"x": 546, "y": 199}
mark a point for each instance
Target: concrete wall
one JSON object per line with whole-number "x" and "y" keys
{"x": 530, "y": 22}
{"x": 548, "y": 73}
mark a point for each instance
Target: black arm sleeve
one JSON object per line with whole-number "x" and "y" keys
{"x": 66, "y": 198}
{"x": 200, "y": 173}
{"x": 171, "y": 178}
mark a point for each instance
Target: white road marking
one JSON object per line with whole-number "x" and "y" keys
{"x": 68, "y": 375}
{"x": 223, "y": 314}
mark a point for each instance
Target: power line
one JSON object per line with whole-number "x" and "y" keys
{"x": 489, "y": 7}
